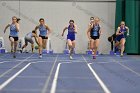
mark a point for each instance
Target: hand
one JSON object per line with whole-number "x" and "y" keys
{"x": 127, "y": 34}
{"x": 121, "y": 33}
{"x": 74, "y": 29}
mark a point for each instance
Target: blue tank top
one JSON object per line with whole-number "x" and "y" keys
{"x": 71, "y": 31}
{"x": 30, "y": 34}
{"x": 122, "y": 30}
{"x": 43, "y": 30}
{"x": 95, "y": 30}
{"x": 13, "y": 30}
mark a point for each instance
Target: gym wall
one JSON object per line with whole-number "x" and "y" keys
{"x": 57, "y": 14}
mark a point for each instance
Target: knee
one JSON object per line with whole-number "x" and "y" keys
{"x": 95, "y": 47}
{"x": 15, "y": 43}
{"x": 70, "y": 45}
{"x": 40, "y": 45}
{"x": 12, "y": 42}
{"x": 91, "y": 47}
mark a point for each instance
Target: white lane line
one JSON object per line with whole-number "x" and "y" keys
{"x": 49, "y": 77}
{"x": 27, "y": 77}
{"x": 104, "y": 62}
{"x": 90, "y": 63}
{"x": 8, "y": 62}
{"x": 104, "y": 87}
{"x": 37, "y": 90}
{"x": 126, "y": 67}
{"x": 51, "y": 62}
{"x": 129, "y": 69}
{"x": 15, "y": 66}
{"x": 41, "y": 62}
{"x": 102, "y": 84}
{"x": 54, "y": 84}
{"x": 13, "y": 77}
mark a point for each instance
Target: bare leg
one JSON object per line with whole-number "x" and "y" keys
{"x": 73, "y": 46}
{"x": 96, "y": 47}
{"x": 15, "y": 48}
{"x": 40, "y": 46}
{"x": 122, "y": 43}
{"x": 117, "y": 44}
{"x": 32, "y": 46}
{"x": 92, "y": 45}
{"x": 12, "y": 43}
{"x": 70, "y": 47}
{"x": 89, "y": 45}
{"x": 44, "y": 42}
{"x": 24, "y": 46}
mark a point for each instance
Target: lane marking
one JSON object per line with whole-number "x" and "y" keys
{"x": 54, "y": 84}
{"x": 90, "y": 63}
{"x": 8, "y": 62}
{"x": 15, "y": 66}
{"x": 126, "y": 67}
{"x": 13, "y": 77}
{"x": 104, "y": 62}
{"x": 22, "y": 90}
{"x": 76, "y": 78}
{"x": 27, "y": 77}
{"x": 129, "y": 69}
{"x": 44, "y": 90}
{"x": 39, "y": 62}
{"x": 102, "y": 84}
{"x": 101, "y": 63}
{"x": 77, "y": 91}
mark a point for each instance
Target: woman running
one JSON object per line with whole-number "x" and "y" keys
{"x": 94, "y": 33}
{"x": 13, "y": 37}
{"x": 122, "y": 29}
{"x": 29, "y": 38}
{"x": 43, "y": 35}
{"x": 72, "y": 29}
